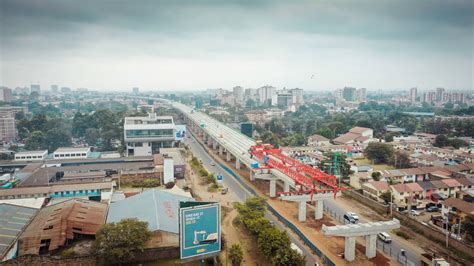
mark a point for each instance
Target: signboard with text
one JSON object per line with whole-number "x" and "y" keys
{"x": 200, "y": 230}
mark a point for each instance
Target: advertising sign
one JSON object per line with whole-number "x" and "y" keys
{"x": 180, "y": 132}
{"x": 200, "y": 230}
{"x": 168, "y": 170}
{"x": 219, "y": 178}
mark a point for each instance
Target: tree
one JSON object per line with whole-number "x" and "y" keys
{"x": 401, "y": 160}
{"x": 35, "y": 141}
{"x": 271, "y": 240}
{"x": 119, "y": 242}
{"x": 441, "y": 141}
{"x": 236, "y": 254}
{"x": 376, "y": 176}
{"x": 386, "y": 196}
{"x": 379, "y": 152}
{"x": 288, "y": 257}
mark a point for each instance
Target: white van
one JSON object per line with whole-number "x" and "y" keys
{"x": 384, "y": 237}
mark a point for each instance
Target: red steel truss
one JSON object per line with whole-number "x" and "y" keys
{"x": 312, "y": 179}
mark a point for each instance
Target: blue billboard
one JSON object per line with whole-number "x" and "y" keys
{"x": 180, "y": 132}
{"x": 200, "y": 230}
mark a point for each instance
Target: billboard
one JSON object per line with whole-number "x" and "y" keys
{"x": 168, "y": 171}
{"x": 246, "y": 129}
{"x": 180, "y": 132}
{"x": 200, "y": 230}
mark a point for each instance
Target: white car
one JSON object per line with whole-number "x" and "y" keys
{"x": 414, "y": 212}
{"x": 212, "y": 163}
{"x": 384, "y": 237}
{"x": 353, "y": 215}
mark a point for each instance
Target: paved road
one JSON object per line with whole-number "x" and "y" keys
{"x": 242, "y": 194}
{"x": 395, "y": 245}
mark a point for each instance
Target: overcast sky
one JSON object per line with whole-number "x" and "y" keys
{"x": 196, "y": 44}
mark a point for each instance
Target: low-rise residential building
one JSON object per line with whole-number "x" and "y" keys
{"x": 454, "y": 208}
{"x": 406, "y": 195}
{"x": 31, "y": 156}
{"x": 317, "y": 140}
{"x": 375, "y": 189}
{"x": 72, "y": 153}
{"x": 59, "y": 224}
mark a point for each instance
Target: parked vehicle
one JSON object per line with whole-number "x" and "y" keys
{"x": 353, "y": 215}
{"x": 212, "y": 163}
{"x": 414, "y": 212}
{"x": 296, "y": 248}
{"x": 432, "y": 209}
{"x": 384, "y": 237}
{"x": 349, "y": 219}
{"x": 224, "y": 191}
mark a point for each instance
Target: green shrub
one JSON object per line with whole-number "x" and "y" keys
{"x": 67, "y": 253}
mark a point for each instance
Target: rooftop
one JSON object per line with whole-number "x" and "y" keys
{"x": 60, "y": 222}
{"x": 464, "y": 206}
{"x": 13, "y": 219}
{"x": 70, "y": 149}
{"x": 41, "y": 152}
{"x": 159, "y": 208}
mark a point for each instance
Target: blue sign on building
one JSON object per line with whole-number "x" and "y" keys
{"x": 200, "y": 230}
{"x": 219, "y": 178}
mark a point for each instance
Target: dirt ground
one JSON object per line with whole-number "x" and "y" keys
{"x": 232, "y": 234}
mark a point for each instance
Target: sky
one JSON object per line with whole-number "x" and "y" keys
{"x": 193, "y": 45}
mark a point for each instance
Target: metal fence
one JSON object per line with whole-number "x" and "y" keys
{"x": 289, "y": 224}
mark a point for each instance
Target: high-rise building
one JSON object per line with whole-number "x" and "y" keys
{"x": 35, "y": 88}
{"x": 265, "y": 93}
{"x": 439, "y": 94}
{"x": 135, "y": 90}
{"x": 413, "y": 94}
{"x": 22, "y": 91}
{"x": 297, "y": 96}
{"x": 348, "y": 93}
{"x": 65, "y": 89}
{"x": 361, "y": 94}
{"x": 5, "y": 94}
{"x": 429, "y": 97}
{"x": 7, "y": 128}
{"x": 284, "y": 100}
{"x": 55, "y": 88}
{"x": 238, "y": 94}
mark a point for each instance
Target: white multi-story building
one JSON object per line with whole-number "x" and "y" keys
{"x": 145, "y": 135}
{"x": 265, "y": 93}
{"x": 27, "y": 156}
{"x": 238, "y": 94}
{"x": 297, "y": 96}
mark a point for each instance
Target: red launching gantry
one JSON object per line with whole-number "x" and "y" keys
{"x": 311, "y": 180}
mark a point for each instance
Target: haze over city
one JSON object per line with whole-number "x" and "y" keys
{"x": 190, "y": 45}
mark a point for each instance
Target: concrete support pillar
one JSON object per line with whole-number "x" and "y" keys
{"x": 209, "y": 141}
{"x": 349, "y": 248}
{"x": 252, "y": 175}
{"x": 273, "y": 184}
{"x": 370, "y": 246}
{"x": 237, "y": 163}
{"x": 221, "y": 150}
{"x": 286, "y": 187}
{"x": 318, "y": 211}
{"x": 229, "y": 156}
{"x": 302, "y": 211}
{"x": 214, "y": 145}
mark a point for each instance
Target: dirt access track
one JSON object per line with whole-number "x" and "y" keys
{"x": 332, "y": 247}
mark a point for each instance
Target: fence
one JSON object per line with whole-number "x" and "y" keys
{"x": 289, "y": 224}
{"x": 375, "y": 205}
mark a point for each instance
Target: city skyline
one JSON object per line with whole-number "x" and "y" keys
{"x": 305, "y": 44}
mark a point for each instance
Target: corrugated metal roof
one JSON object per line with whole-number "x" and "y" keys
{"x": 13, "y": 219}
{"x": 157, "y": 207}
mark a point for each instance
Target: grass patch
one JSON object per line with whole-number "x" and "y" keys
{"x": 67, "y": 253}
{"x": 402, "y": 234}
